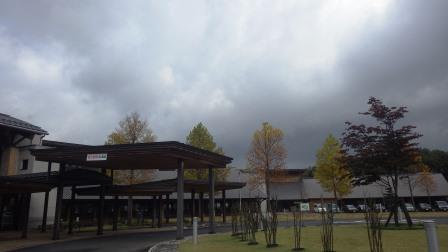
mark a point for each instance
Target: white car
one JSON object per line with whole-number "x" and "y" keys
{"x": 409, "y": 207}
{"x": 318, "y": 208}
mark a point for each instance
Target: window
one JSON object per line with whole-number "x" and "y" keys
{"x": 24, "y": 164}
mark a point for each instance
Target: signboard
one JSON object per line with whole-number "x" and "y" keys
{"x": 305, "y": 207}
{"x": 97, "y": 157}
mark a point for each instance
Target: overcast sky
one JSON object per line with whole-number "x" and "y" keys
{"x": 76, "y": 68}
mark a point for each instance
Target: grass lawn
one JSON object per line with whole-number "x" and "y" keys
{"x": 347, "y": 238}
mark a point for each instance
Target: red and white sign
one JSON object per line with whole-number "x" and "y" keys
{"x": 97, "y": 157}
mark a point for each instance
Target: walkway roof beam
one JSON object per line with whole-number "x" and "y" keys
{"x": 156, "y": 155}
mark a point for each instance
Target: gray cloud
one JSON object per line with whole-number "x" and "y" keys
{"x": 75, "y": 68}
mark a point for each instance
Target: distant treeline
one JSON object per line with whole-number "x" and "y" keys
{"x": 436, "y": 159}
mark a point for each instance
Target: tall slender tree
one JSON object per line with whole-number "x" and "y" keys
{"x": 426, "y": 181}
{"x": 201, "y": 138}
{"x": 382, "y": 152}
{"x": 132, "y": 129}
{"x": 266, "y": 157}
{"x": 331, "y": 172}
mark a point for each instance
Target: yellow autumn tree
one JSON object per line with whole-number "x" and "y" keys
{"x": 266, "y": 157}
{"x": 426, "y": 181}
{"x": 330, "y": 171}
{"x": 131, "y": 130}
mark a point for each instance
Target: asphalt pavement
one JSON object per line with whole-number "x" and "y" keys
{"x": 139, "y": 242}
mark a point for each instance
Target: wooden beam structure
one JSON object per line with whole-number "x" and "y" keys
{"x": 100, "y": 229}
{"x": 211, "y": 199}
{"x": 58, "y": 210}
{"x": 193, "y": 207}
{"x": 115, "y": 216}
{"x": 223, "y": 206}
{"x": 26, "y": 214}
{"x": 154, "y": 211}
{"x": 47, "y": 195}
{"x": 180, "y": 200}
{"x": 167, "y": 210}
{"x": 201, "y": 206}
{"x": 72, "y": 211}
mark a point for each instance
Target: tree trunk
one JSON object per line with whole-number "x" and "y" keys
{"x": 399, "y": 204}
{"x": 268, "y": 188}
{"x": 411, "y": 191}
{"x": 335, "y": 199}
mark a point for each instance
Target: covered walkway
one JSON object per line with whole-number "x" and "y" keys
{"x": 158, "y": 155}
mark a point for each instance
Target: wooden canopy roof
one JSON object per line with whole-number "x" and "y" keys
{"x": 42, "y": 181}
{"x": 156, "y": 155}
{"x": 196, "y": 185}
{"x": 160, "y": 187}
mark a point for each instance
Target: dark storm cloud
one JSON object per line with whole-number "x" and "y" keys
{"x": 77, "y": 67}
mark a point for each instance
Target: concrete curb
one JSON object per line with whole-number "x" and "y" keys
{"x": 165, "y": 246}
{"x": 173, "y": 245}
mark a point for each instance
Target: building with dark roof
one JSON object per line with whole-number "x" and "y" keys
{"x": 17, "y": 138}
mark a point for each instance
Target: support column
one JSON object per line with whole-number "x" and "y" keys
{"x": 115, "y": 217}
{"x": 72, "y": 211}
{"x": 57, "y": 212}
{"x": 47, "y": 195}
{"x": 26, "y": 214}
{"x": 201, "y": 206}
{"x": 211, "y": 199}
{"x": 154, "y": 211}
{"x": 101, "y": 208}
{"x": 2, "y": 206}
{"x": 159, "y": 212}
{"x": 223, "y": 206}
{"x": 180, "y": 200}
{"x": 167, "y": 210}
{"x": 193, "y": 205}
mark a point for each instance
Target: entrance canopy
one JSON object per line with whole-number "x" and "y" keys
{"x": 44, "y": 181}
{"x": 156, "y": 155}
{"x": 160, "y": 187}
{"x": 195, "y": 185}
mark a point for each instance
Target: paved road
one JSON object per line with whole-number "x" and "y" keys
{"x": 132, "y": 242}
{"x": 138, "y": 242}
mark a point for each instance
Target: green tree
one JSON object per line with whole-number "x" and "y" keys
{"x": 131, "y": 130}
{"x": 330, "y": 171}
{"x": 201, "y": 138}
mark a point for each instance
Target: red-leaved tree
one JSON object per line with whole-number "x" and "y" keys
{"x": 382, "y": 151}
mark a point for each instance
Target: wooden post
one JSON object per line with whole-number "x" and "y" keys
{"x": 47, "y": 195}
{"x": 115, "y": 217}
{"x": 167, "y": 210}
{"x": 180, "y": 200}
{"x": 57, "y": 212}
{"x": 211, "y": 199}
{"x": 100, "y": 229}
{"x": 2, "y": 206}
{"x": 201, "y": 206}
{"x": 26, "y": 215}
{"x": 18, "y": 203}
{"x": 154, "y": 211}
{"x": 223, "y": 206}
{"x": 72, "y": 211}
{"x": 193, "y": 210}
{"x": 159, "y": 212}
